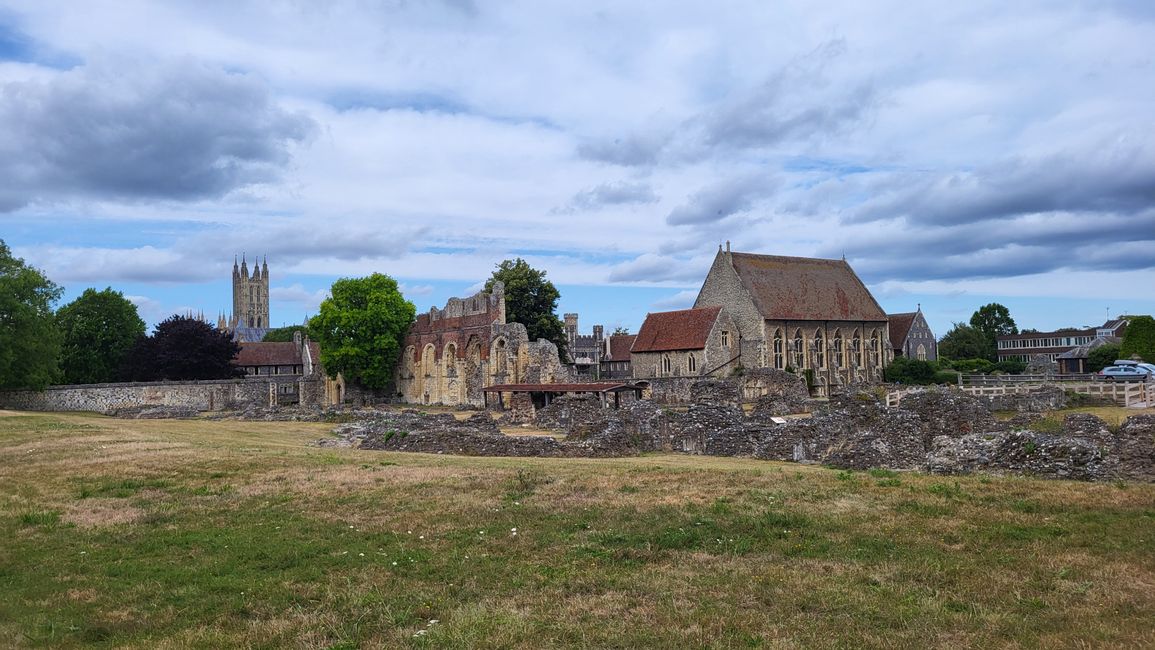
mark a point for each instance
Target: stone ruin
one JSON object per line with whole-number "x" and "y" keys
{"x": 942, "y": 431}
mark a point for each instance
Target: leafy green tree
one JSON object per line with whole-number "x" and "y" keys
{"x": 993, "y": 320}
{"x": 621, "y": 331}
{"x": 531, "y": 300}
{"x": 1011, "y": 366}
{"x": 1139, "y": 339}
{"x": 29, "y": 338}
{"x": 1102, "y": 356}
{"x": 963, "y": 342}
{"x": 98, "y": 328}
{"x": 182, "y": 348}
{"x": 283, "y": 334}
{"x": 904, "y": 370}
{"x": 361, "y": 327}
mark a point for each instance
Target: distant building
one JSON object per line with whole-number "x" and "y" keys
{"x": 584, "y": 351}
{"x": 249, "y": 320}
{"x": 616, "y": 362}
{"x": 910, "y": 336}
{"x": 298, "y": 358}
{"x": 684, "y": 343}
{"x": 1025, "y": 346}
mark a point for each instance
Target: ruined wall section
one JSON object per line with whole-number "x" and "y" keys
{"x": 209, "y": 395}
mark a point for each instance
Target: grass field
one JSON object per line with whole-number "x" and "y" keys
{"x": 165, "y": 534}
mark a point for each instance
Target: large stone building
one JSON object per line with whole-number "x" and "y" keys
{"x": 450, "y": 355}
{"x": 684, "y": 343}
{"x": 585, "y": 350}
{"x": 910, "y": 336}
{"x": 249, "y": 320}
{"x": 800, "y": 313}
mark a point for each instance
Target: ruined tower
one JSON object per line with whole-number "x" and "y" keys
{"x": 250, "y": 294}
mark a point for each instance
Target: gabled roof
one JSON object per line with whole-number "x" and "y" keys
{"x": 619, "y": 347}
{"x": 805, "y": 288}
{"x": 273, "y": 354}
{"x": 686, "y": 329}
{"x": 899, "y": 328}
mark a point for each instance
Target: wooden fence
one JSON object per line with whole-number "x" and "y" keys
{"x": 1123, "y": 393}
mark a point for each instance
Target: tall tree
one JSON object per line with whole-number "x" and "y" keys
{"x": 993, "y": 320}
{"x": 360, "y": 329}
{"x": 29, "y": 338}
{"x": 1139, "y": 339}
{"x": 182, "y": 348}
{"x": 963, "y": 342}
{"x": 531, "y": 300}
{"x": 1102, "y": 356}
{"x": 98, "y": 328}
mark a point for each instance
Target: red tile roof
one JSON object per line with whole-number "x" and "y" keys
{"x": 899, "y": 328}
{"x": 804, "y": 288}
{"x": 686, "y": 329}
{"x": 273, "y": 354}
{"x": 620, "y": 345}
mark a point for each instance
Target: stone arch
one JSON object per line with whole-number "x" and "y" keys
{"x": 856, "y": 350}
{"x": 449, "y": 358}
{"x": 797, "y": 350}
{"x": 836, "y": 359}
{"x": 499, "y": 359}
{"x": 428, "y": 360}
{"x": 875, "y": 349}
{"x": 819, "y": 349}
{"x": 667, "y": 365}
{"x": 779, "y": 350}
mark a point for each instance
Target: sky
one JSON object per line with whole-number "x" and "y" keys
{"x": 955, "y": 153}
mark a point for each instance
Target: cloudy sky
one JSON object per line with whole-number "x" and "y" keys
{"x": 955, "y": 154}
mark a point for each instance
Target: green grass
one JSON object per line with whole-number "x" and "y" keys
{"x": 147, "y": 534}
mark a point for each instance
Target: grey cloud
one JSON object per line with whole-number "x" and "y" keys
{"x": 630, "y": 151}
{"x": 620, "y": 193}
{"x": 722, "y": 199}
{"x": 308, "y": 240}
{"x": 658, "y": 268}
{"x": 180, "y": 131}
{"x": 1107, "y": 177}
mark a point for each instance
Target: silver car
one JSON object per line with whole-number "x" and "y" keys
{"x": 1128, "y": 372}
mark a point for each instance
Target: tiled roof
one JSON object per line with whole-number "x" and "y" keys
{"x": 619, "y": 347}
{"x": 272, "y": 354}
{"x": 899, "y": 327}
{"x": 804, "y": 288}
{"x": 686, "y": 329}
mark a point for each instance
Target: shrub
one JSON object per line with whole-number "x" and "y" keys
{"x": 904, "y": 370}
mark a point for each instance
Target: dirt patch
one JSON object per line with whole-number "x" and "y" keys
{"x": 97, "y": 513}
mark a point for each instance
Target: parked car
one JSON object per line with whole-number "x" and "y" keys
{"x": 1125, "y": 373}
{"x": 1129, "y": 362}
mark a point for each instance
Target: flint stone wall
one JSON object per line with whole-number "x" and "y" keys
{"x": 209, "y": 395}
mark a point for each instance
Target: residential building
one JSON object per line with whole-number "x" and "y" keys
{"x": 1025, "y": 346}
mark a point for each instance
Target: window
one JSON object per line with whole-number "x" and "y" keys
{"x": 691, "y": 364}
{"x": 875, "y": 348}
{"x": 779, "y": 356}
{"x": 856, "y": 350}
{"x": 667, "y": 365}
{"x": 921, "y": 352}
{"x": 798, "y": 358}
{"x": 819, "y": 350}
{"x": 836, "y": 350}
{"x": 725, "y": 338}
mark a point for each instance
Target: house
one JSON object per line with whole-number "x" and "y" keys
{"x": 616, "y": 359}
{"x": 287, "y": 361}
{"x": 911, "y": 337}
{"x": 1026, "y": 345}
{"x": 799, "y": 313}
{"x": 684, "y": 343}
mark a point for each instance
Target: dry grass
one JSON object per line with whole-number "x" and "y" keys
{"x": 233, "y": 534}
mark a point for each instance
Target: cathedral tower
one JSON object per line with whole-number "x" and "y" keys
{"x": 250, "y": 294}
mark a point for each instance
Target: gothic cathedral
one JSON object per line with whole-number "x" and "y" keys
{"x": 250, "y": 318}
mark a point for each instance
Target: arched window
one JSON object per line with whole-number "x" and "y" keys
{"x": 779, "y": 350}
{"x": 427, "y": 360}
{"x": 819, "y": 350}
{"x": 449, "y": 357}
{"x": 875, "y": 348}
{"x": 797, "y": 357}
{"x": 836, "y": 350}
{"x": 921, "y": 352}
{"x": 667, "y": 364}
{"x": 691, "y": 363}
{"x": 409, "y": 369}
{"x": 856, "y": 350}
{"x": 500, "y": 363}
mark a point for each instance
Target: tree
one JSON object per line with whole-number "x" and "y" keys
{"x": 182, "y": 348}
{"x": 283, "y": 334}
{"x": 29, "y": 338}
{"x": 621, "y": 331}
{"x": 1102, "y": 356}
{"x": 361, "y": 327}
{"x": 531, "y": 300}
{"x": 963, "y": 342}
{"x": 1139, "y": 339}
{"x": 904, "y": 370}
{"x": 98, "y": 328}
{"x": 993, "y": 320}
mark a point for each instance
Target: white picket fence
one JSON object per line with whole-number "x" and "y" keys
{"x": 1137, "y": 394}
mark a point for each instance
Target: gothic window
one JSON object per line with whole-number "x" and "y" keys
{"x": 500, "y": 363}
{"x": 875, "y": 348}
{"x": 725, "y": 338}
{"x": 427, "y": 360}
{"x": 779, "y": 351}
{"x": 667, "y": 365}
{"x": 836, "y": 350}
{"x": 691, "y": 364}
{"x": 449, "y": 357}
{"x": 921, "y": 352}
{"x": 856, "y": 350}
{"x": 819, "y": 350}
{"x": 797, "y": 357}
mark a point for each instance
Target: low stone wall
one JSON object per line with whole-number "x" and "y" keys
{"x": 212, "y": 395}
